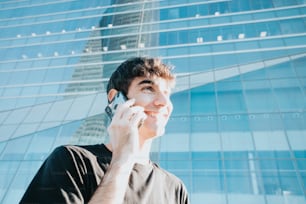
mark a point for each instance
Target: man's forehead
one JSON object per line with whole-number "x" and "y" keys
{"x": 152, "y": 81}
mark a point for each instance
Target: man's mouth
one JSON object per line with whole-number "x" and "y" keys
{"x": 151, "y": 114}
{"x": 155, "y": 114}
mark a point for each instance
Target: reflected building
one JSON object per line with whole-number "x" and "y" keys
{"x": 89, "y": 70}
{"x": 89, "y": 67}
{"x": 133, "y": 26}
{"x": 93, "y": 129}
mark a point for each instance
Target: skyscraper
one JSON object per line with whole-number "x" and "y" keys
{"x": 237, "y": 133}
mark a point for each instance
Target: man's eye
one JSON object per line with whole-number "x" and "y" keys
{"x": 148, "y": 88}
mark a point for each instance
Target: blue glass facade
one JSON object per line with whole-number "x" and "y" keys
{"x": 238, "y": 130}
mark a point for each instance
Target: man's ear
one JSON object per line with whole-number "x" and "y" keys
{"x": 111, "y": 94}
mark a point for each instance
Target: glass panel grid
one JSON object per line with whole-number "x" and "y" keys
{"x": 237, "y": 132}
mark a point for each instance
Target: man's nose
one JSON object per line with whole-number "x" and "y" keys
{"x": 162, "y": 99}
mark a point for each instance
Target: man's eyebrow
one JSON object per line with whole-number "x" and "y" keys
{"x": 146, "y": 81}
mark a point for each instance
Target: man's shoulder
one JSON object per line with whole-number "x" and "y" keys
{"x": 75, "y": 148}
{"x": 97, "y": 150}
{"x": 71, "y": 156}
{"x": 167, "y": 175}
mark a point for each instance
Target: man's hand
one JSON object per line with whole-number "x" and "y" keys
{"x": 124, "y": 133}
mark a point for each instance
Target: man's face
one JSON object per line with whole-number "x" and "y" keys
{"x": 153, "y": 94}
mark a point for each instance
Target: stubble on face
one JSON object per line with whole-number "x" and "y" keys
{"x": 154, "y": 95}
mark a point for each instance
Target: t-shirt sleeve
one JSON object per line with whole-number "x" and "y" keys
{"x": 57, "y": 180}
{"x": 183, "y": 195}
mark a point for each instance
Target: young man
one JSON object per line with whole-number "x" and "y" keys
{"x": 121, "y": 171}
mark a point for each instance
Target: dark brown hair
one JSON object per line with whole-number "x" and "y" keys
{"x": 138, "y": 67}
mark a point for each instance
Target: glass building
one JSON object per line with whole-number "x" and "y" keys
{"x": 238, "y": 130}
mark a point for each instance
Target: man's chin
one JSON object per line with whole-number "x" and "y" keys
{"x": 156, "y": 133}
{"x": 160, "y": 132}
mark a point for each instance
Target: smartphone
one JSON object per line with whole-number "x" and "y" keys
{"x": 113, "y": 105}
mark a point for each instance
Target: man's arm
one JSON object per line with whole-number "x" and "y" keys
{"x": 112, "y": 188}
{"x": 124, "y": 143}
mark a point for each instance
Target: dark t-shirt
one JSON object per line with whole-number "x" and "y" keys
{"x": 71, "y": 174}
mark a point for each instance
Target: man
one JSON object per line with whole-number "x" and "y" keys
{"x": 121, "y": 171}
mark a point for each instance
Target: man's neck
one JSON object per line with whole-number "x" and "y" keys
{"x": 144, "y": 153}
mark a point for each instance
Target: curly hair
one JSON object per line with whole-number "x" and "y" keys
{"x": 138, "y": 67}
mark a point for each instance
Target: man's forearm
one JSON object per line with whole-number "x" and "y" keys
{"x": 113, "y": 185}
